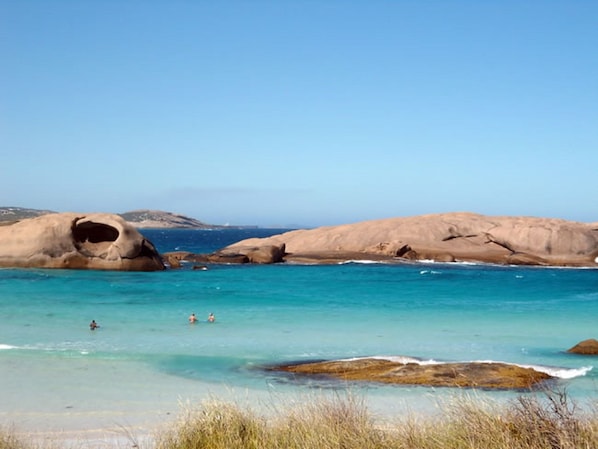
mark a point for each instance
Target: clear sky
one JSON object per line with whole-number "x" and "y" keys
{"x": 313, "y": 112}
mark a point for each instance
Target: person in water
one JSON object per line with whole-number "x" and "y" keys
{"x": 93, "y": 325}
{"x": 192, "y": 318}
{"x": 211, "y": 318}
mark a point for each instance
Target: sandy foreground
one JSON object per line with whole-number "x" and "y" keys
{"x": 89, "y": 404}
{"x": 93, "y": 404}
{"x": 93, "y": 439}
{"x": 115, "y": 408}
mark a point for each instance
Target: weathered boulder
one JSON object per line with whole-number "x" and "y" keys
{"x": 78, "y": 241}
{"x": 445, "y": 237}
{"x": 467, "y": 374}
{"x": 227, "y": 258}
{"x": 173, "y": 260}
{"x": 261, "y": 254}
{"x": 525, "y": 259}
{"x": 264, "y": 254}
{"x": 586, "y": 347}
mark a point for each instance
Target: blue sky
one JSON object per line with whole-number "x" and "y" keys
{"x": 300, "y": 112}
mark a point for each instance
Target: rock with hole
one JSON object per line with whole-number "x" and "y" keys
{"x": 77, "y": 241}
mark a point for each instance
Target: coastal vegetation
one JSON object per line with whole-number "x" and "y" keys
{"x": 545, "y": 421}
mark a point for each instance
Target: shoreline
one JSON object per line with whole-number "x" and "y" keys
{"x": 175, "y": 258}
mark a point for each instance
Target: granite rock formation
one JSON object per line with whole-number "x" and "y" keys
{"x": 261, "y": 254}
{"x": 79, "y": 241}
{"x": 586, "y": 347}
{"x": 440, "y": 237}
{"x": 265, "y": 254}
{"x": 468, "y": 374}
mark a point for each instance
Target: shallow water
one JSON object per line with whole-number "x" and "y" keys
{"x": 146, "y": 358}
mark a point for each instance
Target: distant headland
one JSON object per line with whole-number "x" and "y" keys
{"x": 141, "y": 219}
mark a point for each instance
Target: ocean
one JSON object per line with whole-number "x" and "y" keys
{"x": 146, "y": 363}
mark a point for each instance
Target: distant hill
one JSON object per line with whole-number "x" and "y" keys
{"x": 138, "y": 218}
{"x": 11, "y": 214}
{"x": 159, "y": 219}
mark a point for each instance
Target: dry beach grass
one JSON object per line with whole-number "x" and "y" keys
{"x": 529, "y": 422}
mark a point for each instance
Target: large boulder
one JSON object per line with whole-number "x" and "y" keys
{"x": 586, "y": 347}
{"x": 80, "y": 241}
{"x": 445, "y": 237}
{"x": 260, "y": 254}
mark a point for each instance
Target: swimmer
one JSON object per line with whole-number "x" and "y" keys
{"x": 211, "y": 318}
{"x": 93, "y": 325}
{"x": 192, "y": 318}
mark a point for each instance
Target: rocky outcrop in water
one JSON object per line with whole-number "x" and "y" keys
{"x": 441, "y": 237}
{"x": 266, "y": 254}
{"x": 79, "y": 241}
{"x": 468, "y": 374}
{"x": 586, "y": 347}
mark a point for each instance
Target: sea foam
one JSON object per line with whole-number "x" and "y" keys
{"x": 361, "y": 261}
{"x": 554, "y": 371}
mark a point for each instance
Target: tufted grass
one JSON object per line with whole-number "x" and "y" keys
{"x": 552, "y": 421}
{"x": 529, "y": 422}
{"x": 9, "y": 441}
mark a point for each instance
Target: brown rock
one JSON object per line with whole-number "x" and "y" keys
{"x": 470, "y": 374}
{"x": 586, "y": 347}
{"x": 173, "y": 260}
{"x": 79, "y": 241}
{"x": 228, "y": 258}
{"x": 265, "y": 254}
{"x": 525, "y": 259}
{"x": 446, "y": 237}
{"x": 262, "y": 254}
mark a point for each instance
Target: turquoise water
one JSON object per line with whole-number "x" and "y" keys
{"x": 146, "y": 354}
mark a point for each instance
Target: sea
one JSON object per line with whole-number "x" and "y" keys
{"x": 146, "y": 364}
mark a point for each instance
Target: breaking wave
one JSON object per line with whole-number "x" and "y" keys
{"x": 554, "y": 371}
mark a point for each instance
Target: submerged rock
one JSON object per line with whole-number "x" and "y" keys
{"x": 468, "y": 374}
{"x": 78, "y": 241}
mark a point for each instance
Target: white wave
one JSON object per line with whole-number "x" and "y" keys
{"x": 406, "y": 359}
{"x": 563, "y": 373}
{"x": 395, "y": 358}
{"x": 3, "y": 346}
{"x": 422, "y": 272}
{"x": 554, "y": 371}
